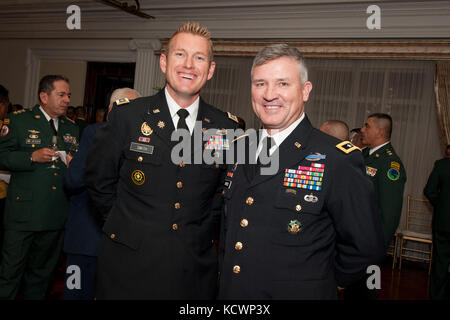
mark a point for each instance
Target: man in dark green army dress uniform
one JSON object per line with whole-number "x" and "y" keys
{"x": 437, "y": 190}
{"x": 385, "y": 169}
{"x": 36, "y": 205}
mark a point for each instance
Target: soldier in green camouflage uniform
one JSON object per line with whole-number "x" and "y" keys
{"x": 385, "y": 169}
{"x": 36, "y": 205}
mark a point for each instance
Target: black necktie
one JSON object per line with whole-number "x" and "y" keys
{"x": 267, "y": 144}
{"x": 183, "y": 114}
{"x": 52, "y": 124}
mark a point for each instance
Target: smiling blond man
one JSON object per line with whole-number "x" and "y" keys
{"x": 160, "y": 216}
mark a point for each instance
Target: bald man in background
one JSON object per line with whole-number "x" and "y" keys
{"x": 335, "y": 128}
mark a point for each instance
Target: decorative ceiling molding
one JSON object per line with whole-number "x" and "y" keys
{"x": 343, "y": 49}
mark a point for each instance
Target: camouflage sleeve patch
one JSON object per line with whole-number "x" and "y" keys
{"x": 233, "y": 117}
{"x": 347, "y": 147}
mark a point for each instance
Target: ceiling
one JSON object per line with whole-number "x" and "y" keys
{"x": 227, "y": 18}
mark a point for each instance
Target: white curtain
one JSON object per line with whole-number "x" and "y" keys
{"x": 350, "y": 90}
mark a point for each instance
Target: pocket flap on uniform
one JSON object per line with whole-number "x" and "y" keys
{"x": 123, "y": 231}
{"x": 298, "y": 200}
{"x": 23, "y": 195}
{"x": 147, "y": 156}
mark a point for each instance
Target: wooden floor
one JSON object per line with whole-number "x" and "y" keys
{"x": 411, "y": 283}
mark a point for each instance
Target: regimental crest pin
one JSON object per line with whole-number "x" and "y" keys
{"x": 138, "y": 177}
{"x": 294, "y": 227}
{"x": 156, "y": 111}
{"x": 146, "y": 130}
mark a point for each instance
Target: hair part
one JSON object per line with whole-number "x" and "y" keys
{"x": 280, "y": 50}
{"x": 47, "y": 83}
{"x": 195, "y": 28}
{"x": 384, "y": 122}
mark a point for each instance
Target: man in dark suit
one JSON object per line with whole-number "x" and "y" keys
{"x": 83, "y": 232}
{"x": 437, "y": 190}
{"x": 36, "y": 205}
{"x": 313, "y": 224}
{"x": 158, "y": 237}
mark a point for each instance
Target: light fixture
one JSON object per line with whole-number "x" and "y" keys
{"x": 133, "y": 9}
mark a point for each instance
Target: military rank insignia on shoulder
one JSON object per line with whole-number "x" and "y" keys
{"x": 20, "y": 111}
{"x": 122, "y": 101}
{"x": 233, "y": 117}
{"x": 347, "y": 147}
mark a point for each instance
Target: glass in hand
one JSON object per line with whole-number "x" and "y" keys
{"x": 54, "y": 146}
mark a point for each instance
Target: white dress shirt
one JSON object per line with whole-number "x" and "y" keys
{"x": 174, "y": 107}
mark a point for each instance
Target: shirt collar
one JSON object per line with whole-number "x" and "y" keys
{"x": 280, "y": 136}
{"x": 378, "y": 147}
{"x": 174, "y": 107}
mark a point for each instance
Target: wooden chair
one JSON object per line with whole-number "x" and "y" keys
{"x": 393, "y": 247}
{"x": 418, "y": 229}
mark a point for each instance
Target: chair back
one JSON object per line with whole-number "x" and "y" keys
{"x": 419, "y": 215}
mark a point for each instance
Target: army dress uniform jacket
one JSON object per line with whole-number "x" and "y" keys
{"x": 437, "y": 190}
{"x": 36, "y": 200}
{"x": 388, "y": 175}
{"x": 289, "y": 238}
{"x": 158, "y": 238}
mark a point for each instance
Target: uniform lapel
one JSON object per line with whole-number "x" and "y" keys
{"x": 41, "y": 124}
{"x": 157, "y": 116}
{"x": 208, "y": 121}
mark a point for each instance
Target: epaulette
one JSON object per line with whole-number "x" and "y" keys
{"x": 122, "y": 101}
{"x": 233, "y": 117}
{"x": 19, "y": 111}
{"x": 347, "y": 147}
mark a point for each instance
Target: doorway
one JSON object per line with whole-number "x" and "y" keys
{"x": 102, "y": 78}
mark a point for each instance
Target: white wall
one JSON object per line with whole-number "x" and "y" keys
{"x": 75, "y": 71}
{"x": 23, "y": 61}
